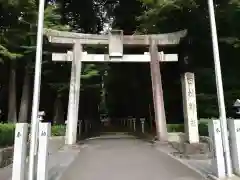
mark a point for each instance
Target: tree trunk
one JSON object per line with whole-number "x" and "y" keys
{"x": 24, "y": 106}
{"x": 58, "y": 112}
{"x": 12, "y": 104}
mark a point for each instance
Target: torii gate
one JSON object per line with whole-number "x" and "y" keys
{"x": 115, "y": 41}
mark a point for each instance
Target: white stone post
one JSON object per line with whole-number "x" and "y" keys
{"x": 19, "y": 154}
{"x": 234, "y": 130}
{"x": 134, "y": 124}
{"x": 41, "y": 114}
{"x": 159, "y": 110}
{"x": 218, "y": 162}
{"x": 190, "y": 107}
{"x": 43, "y": 151}
{"x": 74, "y": 94}
{"x": 142, "y": 120}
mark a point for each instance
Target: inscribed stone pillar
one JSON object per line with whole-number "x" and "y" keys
{"x": 158, "y": 101}
{"x": 190, "y": 107}
{"x": 74, "y": 95}
{"x": 218, "y": 160}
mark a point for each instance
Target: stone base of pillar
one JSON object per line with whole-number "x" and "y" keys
{"x": 195, "y": 148}
{"x": 193, "y": 151}
{"x": 179, "y": 142}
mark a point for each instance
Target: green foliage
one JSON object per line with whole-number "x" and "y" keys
{"x": 7, "y": 134}
{"x": 52, "y": 18}
{"x": 163, "y": 16}
{"x": 124, "y": 89}
{"x": 86, "y": 18}
{"x": 58, "y": 130}
{"x": 175, "y": 127}
{"x": 16, "y": 19}
{"x": 5, "y": 53}
{"x": 202, "y": 126}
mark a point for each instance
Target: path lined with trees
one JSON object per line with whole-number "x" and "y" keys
{"x": 118, "y": 90}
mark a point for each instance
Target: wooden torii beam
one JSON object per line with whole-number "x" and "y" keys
{"x": 115, "y": 41}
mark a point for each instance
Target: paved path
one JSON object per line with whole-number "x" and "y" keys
{"x": 125, "y": 158}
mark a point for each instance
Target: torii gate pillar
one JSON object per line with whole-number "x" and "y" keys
{"x": 159, "y": 111}
{"x": 74, "y": 93}
{"x": 115, "y": 40}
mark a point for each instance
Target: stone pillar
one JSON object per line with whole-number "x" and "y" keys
{"x": 190, "y": 107}
{"x": 159, "y": 111}
{"x": 20, "y": 151}
{"x": 142, "y": 120}
{"x": 74, "y": 95}
{"x": 234, "y": 132}
{"x": 217, "y": 162}
{"x": 43, "y": 151}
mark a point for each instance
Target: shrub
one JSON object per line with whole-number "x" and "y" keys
{"x": 175, "y": 127}
{"x": 202, "y": 126}
{"x": 7, "y": 134}
{"x": 58, "y": 130}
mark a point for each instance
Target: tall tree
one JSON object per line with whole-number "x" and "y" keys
{"x": 11, "y": 36}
